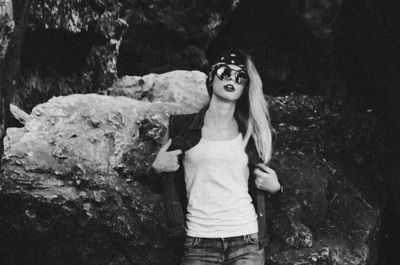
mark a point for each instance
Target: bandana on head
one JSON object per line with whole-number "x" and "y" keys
{"x": 232, "y": 57}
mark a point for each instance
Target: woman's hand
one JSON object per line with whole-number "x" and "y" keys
{"x": 166, "y": 161}
{"x": 266, "y": 179}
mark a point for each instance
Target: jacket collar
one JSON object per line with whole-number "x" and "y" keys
{"x": 198, "y": 121}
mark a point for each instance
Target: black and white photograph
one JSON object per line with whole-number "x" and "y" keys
{"x": 199, "y": 132}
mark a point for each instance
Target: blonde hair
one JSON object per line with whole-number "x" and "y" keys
{"x": 258, "y": 119}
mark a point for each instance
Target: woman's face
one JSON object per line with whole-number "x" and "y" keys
{"x": 229, "y": 85}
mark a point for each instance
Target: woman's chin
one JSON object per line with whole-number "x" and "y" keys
{"x": 228, "y": 97}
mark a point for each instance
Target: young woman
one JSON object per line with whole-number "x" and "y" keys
{"x": 214, "y": 164}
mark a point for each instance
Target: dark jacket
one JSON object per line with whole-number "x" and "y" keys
{"x": 185, "y": 132}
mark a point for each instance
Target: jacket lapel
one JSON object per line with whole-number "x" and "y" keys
{"x": 190, "y": 135}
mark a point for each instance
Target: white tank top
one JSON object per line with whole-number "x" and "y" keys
{"x": 216, "y": 176}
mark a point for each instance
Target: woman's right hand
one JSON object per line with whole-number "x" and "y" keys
{"x": 166, "y": 161}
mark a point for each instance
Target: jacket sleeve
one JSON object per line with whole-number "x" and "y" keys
{"x": 173, "y": 193}
{"x": 151, "y": 177}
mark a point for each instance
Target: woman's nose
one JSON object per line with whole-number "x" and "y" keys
{"x": 231, "y": 76}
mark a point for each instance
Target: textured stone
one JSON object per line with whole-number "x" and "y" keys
{"x": 19, "y": 114}
{"x": 186, "y": 88}
{"x": 61, "y": 170}
{"x": 70, "y": 47}
{"x": 318, "y": 219}
{"x": 305, "y": 200}
{"x": 6, "y": 25}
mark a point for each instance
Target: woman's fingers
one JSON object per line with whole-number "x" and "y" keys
{"x": 176, "y": 152}
{"x": 167, "y": 161}
{"x": 257, "y": 171}
{"x": 166, "y": 145}
{"x": 265, "y": 168}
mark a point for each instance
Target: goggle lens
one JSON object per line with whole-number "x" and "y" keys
{"x": 224, "y": 72}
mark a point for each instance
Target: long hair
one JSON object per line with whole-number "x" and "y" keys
{"x": 258, "y": 119}
{"x": 252, "y": 110}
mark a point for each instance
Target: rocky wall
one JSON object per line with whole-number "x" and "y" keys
{"x": 70, "y": 47}
{"x": 6, "y": 25}
{"x": 72, "y": 187}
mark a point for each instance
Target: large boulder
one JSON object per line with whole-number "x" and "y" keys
{"x": 70, "y": 192}
{"x": 186, "y": 88}
{"x": 319, "y": 219}
{"x": 321, "y": 150}
{"x": 61, "y": 179}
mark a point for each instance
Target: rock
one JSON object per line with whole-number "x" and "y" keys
{"x": 6, "y": 25}
{"x": 305, "y": 200}
{"x": 186, "y": 88}
{"x": 71, "y": 185}
{"x": 61, "y": 173}
{"x": 19, "y": 114}
{"x": 321, "y": 209}
{"x": 69, "y": 47}
{"x": 318, "y": 219}
{"x": 346, "y": 136}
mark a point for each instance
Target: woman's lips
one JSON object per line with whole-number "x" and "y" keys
{"x": 229, "y": 88}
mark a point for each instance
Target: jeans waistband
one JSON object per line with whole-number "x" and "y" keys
{"x": 233, "y": 238}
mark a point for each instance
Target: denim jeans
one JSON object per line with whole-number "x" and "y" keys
{"x": 239, "y": 250}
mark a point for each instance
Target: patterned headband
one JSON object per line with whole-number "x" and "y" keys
{"x": 236, "y": 58}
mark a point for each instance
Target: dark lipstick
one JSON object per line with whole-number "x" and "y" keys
{"x": 229, "y": 88}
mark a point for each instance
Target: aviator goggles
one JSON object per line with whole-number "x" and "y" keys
{"x": 224, "y": 72}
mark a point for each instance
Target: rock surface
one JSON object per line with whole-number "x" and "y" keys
{"x": 69, "y": 47}
{"x": 6, "y": 25}
{"x": 70, "y": 195}
{"x": 19, "y": 114}
{"x": 186, "y": 88}
{"x": 62, "y": 169}
{"x": 319, "y": 220}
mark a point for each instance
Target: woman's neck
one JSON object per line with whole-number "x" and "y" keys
{"x": 220, "y": 114}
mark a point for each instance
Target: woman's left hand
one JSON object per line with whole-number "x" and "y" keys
{"x": 266, "y": 179}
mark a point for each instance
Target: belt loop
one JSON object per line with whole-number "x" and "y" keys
{"x": 196, "y": 242}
